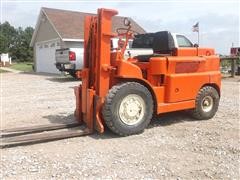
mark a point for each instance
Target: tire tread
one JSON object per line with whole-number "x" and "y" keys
{"x": 196, "y": 113}
{"x": 106, "y": 111}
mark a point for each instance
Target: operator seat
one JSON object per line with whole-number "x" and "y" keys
{"x": 162, "y": 44}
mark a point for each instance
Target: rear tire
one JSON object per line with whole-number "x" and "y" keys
{"x": 128, "y": 108}
{"x": 207, "y": 102}
{"x": 73, "y": 74}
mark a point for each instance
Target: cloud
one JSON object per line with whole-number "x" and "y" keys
{"x": 219, "y": 21}
{"x": 218, "y": 31}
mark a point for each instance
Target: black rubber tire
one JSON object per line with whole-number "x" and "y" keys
{"x": 73, "y": 74}
{"x": 112, "y": 104}
{"x": 198, "y": 112}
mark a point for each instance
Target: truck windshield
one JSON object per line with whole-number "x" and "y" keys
{"x": 183, "y": 41}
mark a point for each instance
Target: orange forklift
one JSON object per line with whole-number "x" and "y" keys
{"x": 124, "y": 94}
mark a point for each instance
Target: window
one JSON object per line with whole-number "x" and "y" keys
{"x": 183, "y": 41}
{"x": 52, "y": 45}
{"x": 130, "y": 44}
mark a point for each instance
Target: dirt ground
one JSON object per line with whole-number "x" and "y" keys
{"x": 173, "y": 147}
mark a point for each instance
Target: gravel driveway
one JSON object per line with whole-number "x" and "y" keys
{"x": 173, "y": 147}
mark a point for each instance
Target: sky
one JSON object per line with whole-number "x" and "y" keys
{"x": 219, "y": 20}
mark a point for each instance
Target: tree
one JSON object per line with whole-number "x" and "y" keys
{"x": 16, "y": 41}
{"x": 7, "y": 36}
{"x": 20, "y": 50}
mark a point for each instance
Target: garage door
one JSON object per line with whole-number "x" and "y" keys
{"x": 45, "y": 56}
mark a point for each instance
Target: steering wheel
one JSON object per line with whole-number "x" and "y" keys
{"x": 123, "y": 31}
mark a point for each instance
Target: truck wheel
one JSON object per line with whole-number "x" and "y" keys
{"x": 73, "y": 74}
{"x": 207, "y": 102}
{"x": 128, "y": 108}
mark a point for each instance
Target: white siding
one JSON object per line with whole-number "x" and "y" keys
{"x": 72, "y": 44}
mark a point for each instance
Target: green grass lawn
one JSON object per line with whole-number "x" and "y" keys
{"x": 2, "y": 71}
{"x": 25, "y": 66}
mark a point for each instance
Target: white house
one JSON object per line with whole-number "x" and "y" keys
{"x": 61, "y": 29}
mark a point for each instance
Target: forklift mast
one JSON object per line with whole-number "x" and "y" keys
{"x": 97, "y": 67}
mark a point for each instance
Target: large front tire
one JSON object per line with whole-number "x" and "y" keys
{"x": 128, "y": 108}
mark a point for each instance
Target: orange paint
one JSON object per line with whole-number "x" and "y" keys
{"x": 174, "y": 80}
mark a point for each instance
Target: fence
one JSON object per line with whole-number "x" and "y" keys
{"x": 233, "y": 60}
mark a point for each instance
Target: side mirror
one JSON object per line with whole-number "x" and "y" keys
{"x": 196, "y": 45}
{"x": 126, "y": 22}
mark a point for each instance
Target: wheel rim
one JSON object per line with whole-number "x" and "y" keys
{"x": 132, "y": 109}
{"x": 207, "y": 104}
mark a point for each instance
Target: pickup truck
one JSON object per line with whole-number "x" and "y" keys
{"x": 71, "y": 59}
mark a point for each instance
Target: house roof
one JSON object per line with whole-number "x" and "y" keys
{"x": 70, "y": 24}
